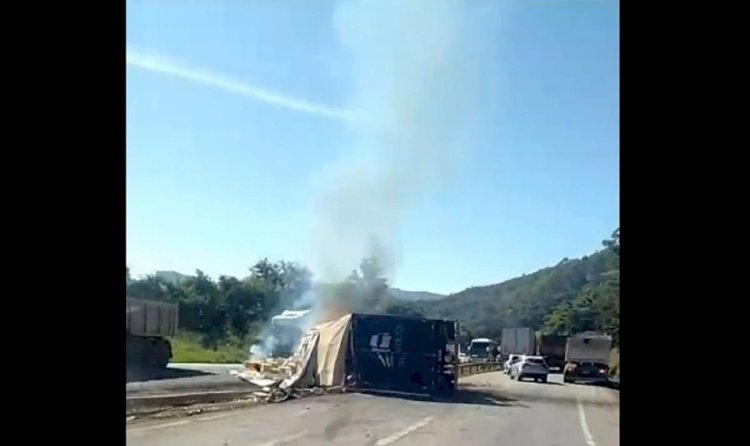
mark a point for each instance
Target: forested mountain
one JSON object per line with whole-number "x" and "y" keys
{"x": 413, "y": 295}
{"x": 568, "y": 297}
{"x": 572, "y": 296}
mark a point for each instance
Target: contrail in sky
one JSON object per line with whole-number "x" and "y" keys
{"x": 153, "y": 62}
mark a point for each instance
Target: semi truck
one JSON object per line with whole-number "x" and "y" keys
{"x": 552, "y": 348}
{"x": 148, "y": 324}
{"x": 287, "y": 330}
{"x": 482, "y": 350}
{"x": 518, "y": 341}
{"x": 587, "y": 358}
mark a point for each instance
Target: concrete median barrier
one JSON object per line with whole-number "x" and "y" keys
{"x": 153, "y": 402}
{"x": 474, "y": 368}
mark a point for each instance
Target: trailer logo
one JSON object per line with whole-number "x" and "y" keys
{"x": 381, "y": 344}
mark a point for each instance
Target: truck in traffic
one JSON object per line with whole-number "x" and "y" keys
{"x": 552, "y": 348}
{"x": 587, "y": 358}
{"x": 518, "y": 341}
{"x": 287, "y": 329}
{"x": 148, "y": 324}
{"x": 482, "y": 350}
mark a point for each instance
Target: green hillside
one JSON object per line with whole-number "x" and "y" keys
{"x": 574, "y": 295}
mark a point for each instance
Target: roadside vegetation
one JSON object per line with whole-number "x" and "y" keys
{"x": 188, "y": 347}
{"x": 614, "y": 363}
{"x": 220, "y": 318}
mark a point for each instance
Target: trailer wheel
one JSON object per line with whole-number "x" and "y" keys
{"x": 161, "y": 353}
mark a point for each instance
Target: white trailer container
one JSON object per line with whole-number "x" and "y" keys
{"x": 588, "y": 347}
{"x": 518, "y": 341}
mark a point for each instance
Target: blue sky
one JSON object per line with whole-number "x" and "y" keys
{"x": 236, "y": 110}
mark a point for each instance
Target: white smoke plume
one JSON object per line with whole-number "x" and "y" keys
{"x": 413, "y": 87}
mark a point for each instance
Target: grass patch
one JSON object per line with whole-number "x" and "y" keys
{"x": 187, "y": 347}
{"x": 614, "y": 362}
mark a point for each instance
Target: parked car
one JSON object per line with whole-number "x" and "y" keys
{"x": 530, "y": 367}
{"x": 587, "y": 372}
{"x": 512, "y": 359}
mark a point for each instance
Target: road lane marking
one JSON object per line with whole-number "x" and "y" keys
{"x": 217, "y": 417}
{"x": 183, "y": 422}
{"x": 494, "y": 401}
{"x": 159, "y": 426}
{"x": 286, "y": 439}
{"x": 584, "y": 426}
{"x": 400, "y": 434}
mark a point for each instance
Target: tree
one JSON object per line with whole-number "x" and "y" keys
{"x": 243, "y": 303}
{"x": 149, "y": 287}
{"x": 613, "y": 242}
{"x": 372, "y": 275}
{"x": 266, "y": 276}
{"x": 403, "y": 309}
{"x": 373, "y": 286}
{"x": 295, "y": 281}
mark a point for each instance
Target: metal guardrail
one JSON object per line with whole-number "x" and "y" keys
{"x": 474, "y": 368}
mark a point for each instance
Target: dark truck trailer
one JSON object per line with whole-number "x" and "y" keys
{"x": 587, "y": 358}
{"x": 552, "y": 348}
{"x": 147, "y": 326}
{"x": 403, "y": 355}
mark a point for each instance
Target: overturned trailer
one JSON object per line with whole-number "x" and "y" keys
{"x": 378, "y": 353}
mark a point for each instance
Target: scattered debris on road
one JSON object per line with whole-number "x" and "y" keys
{"x": 317, "y": 367}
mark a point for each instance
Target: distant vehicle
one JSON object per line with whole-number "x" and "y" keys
{"x": 587, "y": 358}
{"x": 552, "y": 348}
{"x": 147, "y": 326}
{"x": 482, "y": 350}
{"x": 512, "y": 359}
{"x": 462, "y": 356}
{"x": 518, "y": 341}
{"x": 530, "y": 367}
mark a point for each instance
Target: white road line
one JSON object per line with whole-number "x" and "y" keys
{"x": 159, "y": 426}
{"x": 494, "y": 401}
{"x": 287, "y": 439}
{"x": 400, "y": 434}
{"x": 183, "y": 422}
{"x": 584, "y": 426}
{"x": 217, "y": 417}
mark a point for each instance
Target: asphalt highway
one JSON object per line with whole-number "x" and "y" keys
{"x": 489, "y": 409}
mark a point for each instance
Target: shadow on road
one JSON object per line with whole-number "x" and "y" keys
{"x": 139, "y": 375}
{"x": 614, "y": 385}
{"x": 461, "y": 396}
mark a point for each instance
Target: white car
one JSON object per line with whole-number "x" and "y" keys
{"x": 530, "y": 367}
{"x": 512, "y": 359}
